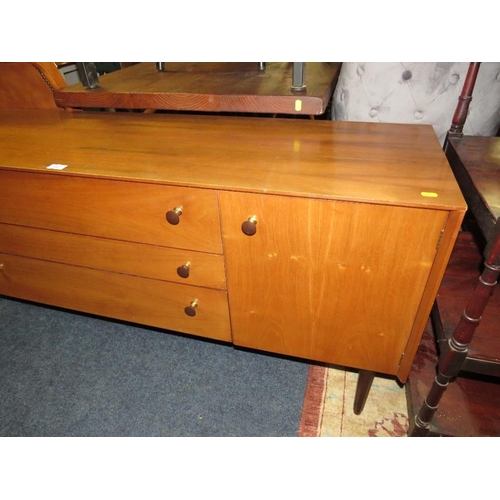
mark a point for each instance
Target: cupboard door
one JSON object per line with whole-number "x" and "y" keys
{"x": 339, "y": 282}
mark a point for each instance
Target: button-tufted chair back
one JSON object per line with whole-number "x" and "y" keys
{"x": 417, "y": 93}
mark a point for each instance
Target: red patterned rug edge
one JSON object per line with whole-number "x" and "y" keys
{"x": 312, "y": 407}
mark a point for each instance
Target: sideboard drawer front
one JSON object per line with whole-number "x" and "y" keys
{"x": 129, "y": 211}
{"x": 139, "y": 300}
{"x": 150, "y": 261}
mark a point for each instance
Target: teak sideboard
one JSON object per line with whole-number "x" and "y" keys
{"x": 320, "y": 240}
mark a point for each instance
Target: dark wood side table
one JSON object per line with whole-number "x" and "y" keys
{"x": 476, "y": 164}
{"x": 208, "y": 87}
{"x": 466, "y": 316}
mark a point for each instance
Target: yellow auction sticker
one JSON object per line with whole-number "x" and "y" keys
{"x": 428, "y": 194}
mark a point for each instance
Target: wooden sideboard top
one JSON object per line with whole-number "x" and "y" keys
{"x": 369, "y": 162}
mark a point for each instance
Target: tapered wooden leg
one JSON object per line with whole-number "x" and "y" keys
{"x": 363, "y": 387}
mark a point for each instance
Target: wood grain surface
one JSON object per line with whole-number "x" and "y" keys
{"x": 481, "y": 158}
{"x": 355, "y": 224}
{"x": 27, "y": 85}
{"x": 130, "y": 298}
{"x": 333, "y": 282}
{"x": 126, "y": 211}
{"x": 214, "y": 87}
{"x": 149, "y": 261}
{"x": 368, "y": 162}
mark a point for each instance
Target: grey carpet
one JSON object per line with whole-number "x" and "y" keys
{"x": 67, "y": 374}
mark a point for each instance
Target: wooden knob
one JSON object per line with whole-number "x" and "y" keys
{"x": 249, "y": 227}
{"x": 183, "y": 271}
{"x": 174, "y": 216}
{"x": 190, "y": 310}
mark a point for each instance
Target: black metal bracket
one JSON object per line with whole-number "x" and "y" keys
{"x": 88, "y": 74}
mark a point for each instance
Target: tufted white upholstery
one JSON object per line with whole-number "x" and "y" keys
{"x": 405, "y": 92}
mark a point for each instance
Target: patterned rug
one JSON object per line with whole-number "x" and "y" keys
{"x": 327, "y": 410}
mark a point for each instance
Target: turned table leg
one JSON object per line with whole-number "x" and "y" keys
{"x": 456, "y": 349}
{"x": 363, "y": 387}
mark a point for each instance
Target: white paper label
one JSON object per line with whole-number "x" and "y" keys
{"x": 56, "y": 166}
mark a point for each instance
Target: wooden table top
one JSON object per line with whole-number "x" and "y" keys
{"x": 481, "y": 158}
{"x": 347, "y": 161}
{"x": 208, "y": 87}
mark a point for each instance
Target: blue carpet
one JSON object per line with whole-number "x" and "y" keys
{"x": 67, "y": 374}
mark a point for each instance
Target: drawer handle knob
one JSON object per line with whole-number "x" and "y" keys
{"x": 191, "y": 309}
{"x": 183, "y": 271}
{"x": 174, "y": 216}
{"x": 249, "y": 227}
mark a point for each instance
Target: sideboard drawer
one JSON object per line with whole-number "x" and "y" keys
{"x": 123, "y": 210}
{"x": 149, "y": 261}
{"x": 130, "y": 298}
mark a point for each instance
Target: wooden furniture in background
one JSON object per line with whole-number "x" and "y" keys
{"x": 467, "y": 313}
{"x": 29, "y": 85}
{"x": 208, "y": 87}
{"x": 466, "y": 316}
{"x": 315, "y": 239}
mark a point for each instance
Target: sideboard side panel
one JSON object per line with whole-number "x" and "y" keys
{"x": 447, "y": 241}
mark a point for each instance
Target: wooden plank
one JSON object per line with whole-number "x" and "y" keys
{"x": 213, "y": 87}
